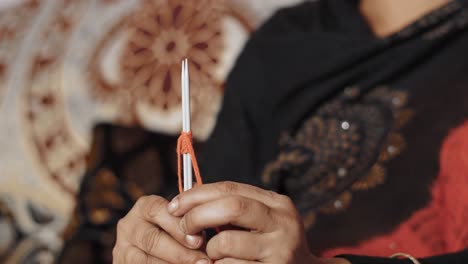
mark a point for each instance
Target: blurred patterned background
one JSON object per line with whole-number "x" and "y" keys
{"x": 90, "y": 110}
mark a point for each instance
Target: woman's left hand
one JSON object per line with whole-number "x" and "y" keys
{"x": 273, "y": 231}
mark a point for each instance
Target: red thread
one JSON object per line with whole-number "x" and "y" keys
{"x": 185, "y": 146}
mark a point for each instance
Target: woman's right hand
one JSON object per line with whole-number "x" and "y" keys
{"x": 149, "y": 234}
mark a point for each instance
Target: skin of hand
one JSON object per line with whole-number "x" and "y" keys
{"x": 271, "y": 230}
{"x": 149, "y": 234}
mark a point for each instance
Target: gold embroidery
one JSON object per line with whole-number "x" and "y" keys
{"x": 342, "y": 148}
{"x": 309, "y": 219}
{"x": 340, "y": 204}
{"x": 375, "y": 177}
{"x": 402, "y": 117}
{"x": 294, "y": 157}
{"x": 395, "y": 144}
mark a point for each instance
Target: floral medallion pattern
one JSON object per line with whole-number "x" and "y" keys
{"x": 159, "y": 42}
{"x": 332, "y": 154}
{"x": 66, "y": 65}
{"x": 158, "y": 35}
{"x": 14, "y": 24}
{"x": 60, "y": 152}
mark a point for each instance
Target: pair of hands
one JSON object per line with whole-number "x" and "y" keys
{"x": 158, "y": 231}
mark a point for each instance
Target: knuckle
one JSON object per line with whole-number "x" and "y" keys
{"x": 271, "y": 194}
{"x": 149, "y": 207}
{"x": 156, "y": 205}
{"x": 285, "y": 201}
{"x": 290, "y": 221}
{"x": 239, "y": 206}
{"x": 269, "y": 249}
{"x": 134, "y": 255}
{"x": 228, "y": 187}
{"x": 291, "y": 225}
{"x": 115, "y": 253}
{"x": 122, "y": 225}
{"x": 186, "y": 258}
{"x": 271, "y": 215}
{"x": 236, "y": 207}
{"x": 150, "y": 239}
{"x": 141, "y": 201}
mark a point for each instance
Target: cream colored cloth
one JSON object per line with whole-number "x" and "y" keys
{"x": 67, "y": 64}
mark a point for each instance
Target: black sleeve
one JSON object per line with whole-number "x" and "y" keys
{"x": 454, "y": 258}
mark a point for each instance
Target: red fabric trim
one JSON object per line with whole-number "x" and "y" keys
{"x": 440, "y": 228}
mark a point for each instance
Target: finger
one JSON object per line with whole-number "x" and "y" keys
{"x": 120, "y": 244}
{"x": 136, "y": 256}
{"x": 157, "y": 243}
{"x": 235, "y": 210}
{"x": 235, "y": 261}
{"x": 117, "y": 256}
{"x": 236, "y": 244}
{"x": 209, "y": 192}
{"x": 154, "y": 210}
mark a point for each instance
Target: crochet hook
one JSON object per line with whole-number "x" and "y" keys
{"x": 185, "y": 83}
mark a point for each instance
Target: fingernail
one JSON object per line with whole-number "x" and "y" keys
{"x": 203, "y": 261}
{"x": 173, "y": 205}
{"x": 193, "y": 241}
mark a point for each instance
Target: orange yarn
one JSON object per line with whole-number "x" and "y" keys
{"x": 185, "y": 146}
